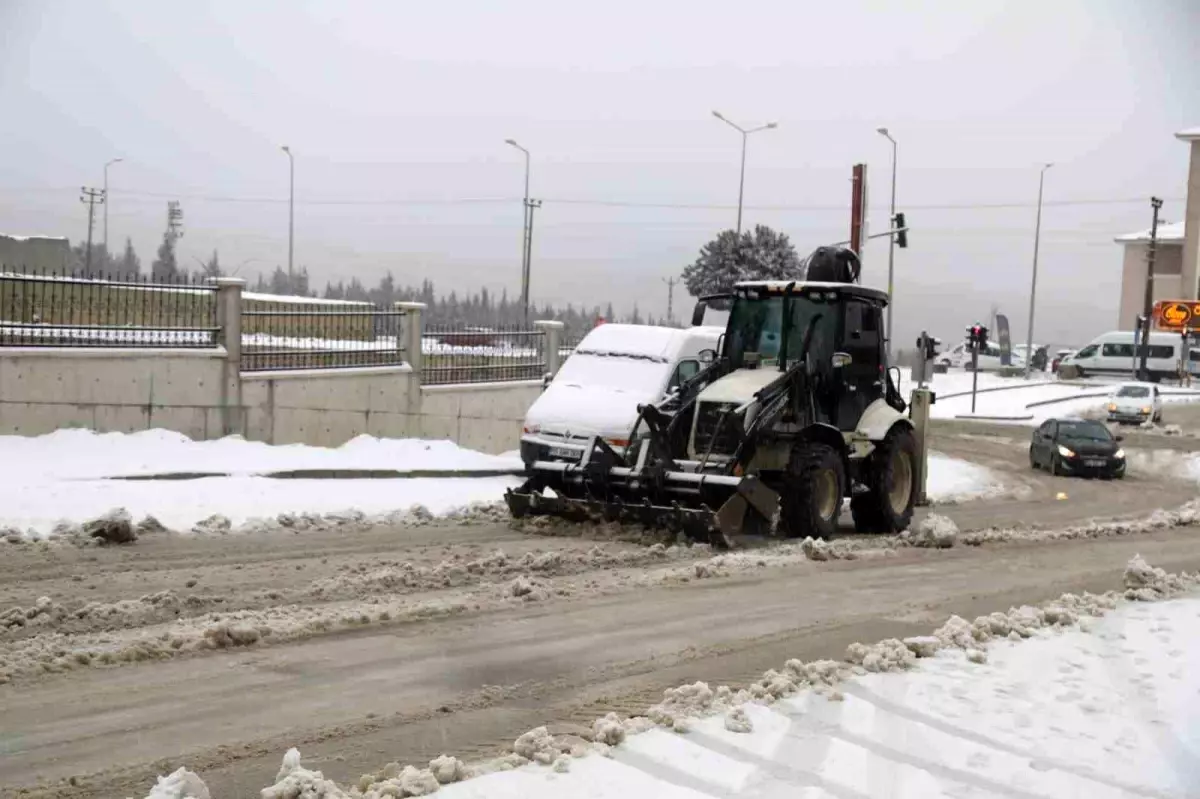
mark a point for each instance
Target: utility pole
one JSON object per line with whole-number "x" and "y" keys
{"x": 1148, "y": 304}
{"x": 891, "y": 241}
{"x": 174, "y": 221}
{"x": 525, "y": 222}
{"x": 531, "y": 206}
{"x": 106, "y": 166}
{"x": 91, "y": 197}
{"x": 1037, "y": 240}
{"x": 670, "y": 281}
{"x": 291, "y": 208}
{"x": 745, "y": 135}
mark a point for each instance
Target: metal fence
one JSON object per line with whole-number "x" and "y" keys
{"x": 458, "y": 354}
{"x": 72, "y": 310}
{"x": 318, "y": 335}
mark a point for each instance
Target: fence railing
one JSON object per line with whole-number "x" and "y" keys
{"x": 69, "y": 310}
{"x": 459, "y": 354}
{"x": 281, "y": 335}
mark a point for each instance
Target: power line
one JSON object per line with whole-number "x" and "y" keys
{"x": 969, "y": 206}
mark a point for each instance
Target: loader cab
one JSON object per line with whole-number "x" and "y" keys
{"x": 843, "y": 324}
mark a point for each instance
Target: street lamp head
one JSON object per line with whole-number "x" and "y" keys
{"x": 771, "y": 126}
{"x": 286, "y": 149}
{"x": 1048, "y": 165}
{"x": 717, "y": 114}
{"x": 882, "y": 131}
{"x": 513, "y": 142}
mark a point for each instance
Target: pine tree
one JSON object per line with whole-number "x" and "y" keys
{"x": 213, "y": 267}
{"x": 165, "y": 266}
{"x": 129, "y": 265}
{"x": 763, "y": 254}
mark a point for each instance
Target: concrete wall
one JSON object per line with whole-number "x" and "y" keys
{"x": 482, "y": 416}
{"x": 327, "y": 407}
{"x": 42, "y": 390}
{"x": 1167, "y": 285}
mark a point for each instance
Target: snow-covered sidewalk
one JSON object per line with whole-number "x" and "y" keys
{"x": 65, "y": 477}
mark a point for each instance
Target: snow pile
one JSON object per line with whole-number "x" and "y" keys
{"x": 934, "y": 531}
{"x": 1149, "y": 583}
{"x": 887, "y": 655}
{"x": 114, "y": 527}
{"x": 296, "y": 782}
{"x": 737, "y": 721}
{"x": 1186, "y": 516}
{"x": 45, "y": 612}
{"x": 952, "y": 480}
{"x": 180, "y": 784}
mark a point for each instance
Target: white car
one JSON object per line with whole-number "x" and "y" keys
{"x": 599, "y": 387}
{"x": 1135, "y": 403}
{"x": 959, "y": 357}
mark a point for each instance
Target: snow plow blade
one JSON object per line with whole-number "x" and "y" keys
{"x": 680, "y": 501}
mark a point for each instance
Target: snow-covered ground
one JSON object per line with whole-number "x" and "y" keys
{"x": 1022, "y": 401}
{"x": 64, "y": 477}
{"x": 1084, "y": 696}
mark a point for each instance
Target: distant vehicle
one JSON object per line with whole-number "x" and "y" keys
{"x": 1059, "y": 355}
{"x": 959, "y": 357}
{"x": 1080, "y": 447}
{"x": 1113, "y": 354}
{"x": 1135, "y": 403}
{"x": 615, "y": 368}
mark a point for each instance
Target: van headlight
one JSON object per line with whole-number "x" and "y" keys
{"x": 1112, "y": 406}
{"x": 1066, "y": 453}
{"x": 1119, "y": 454}
{"x": 1146, "y": 409}
{"x": 532, "y": 428}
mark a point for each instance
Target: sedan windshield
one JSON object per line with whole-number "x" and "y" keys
{"x": 1084, "y": 429}
{"x": 1133, "y": 391}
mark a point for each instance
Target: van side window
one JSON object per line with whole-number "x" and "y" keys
{"x": 1088, "y": 352}
{"x": 1117, "y": 351}
{"x": 1160, "y": 351}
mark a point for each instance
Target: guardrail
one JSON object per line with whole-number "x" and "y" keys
{"x": 303, "y": 336}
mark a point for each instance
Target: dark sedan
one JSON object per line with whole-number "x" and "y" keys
{"x": 1077, "y": 447}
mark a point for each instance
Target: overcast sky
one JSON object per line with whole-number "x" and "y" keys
{"x": 397, "y": 114}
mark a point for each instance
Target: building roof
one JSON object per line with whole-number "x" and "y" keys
{"x": 1169, "y": 233}
{"x": 1191, "y": 134}
{"x": 799, "y": 286}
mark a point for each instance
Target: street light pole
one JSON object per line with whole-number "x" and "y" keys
{"x": 1037, "y": 238}
{"x": 745, "y": 135}
{"x": 106, "y": 166}
{"x": 291, "y": 208}
{"x": 891, "y": 243}
{"x": 526, "y": 233}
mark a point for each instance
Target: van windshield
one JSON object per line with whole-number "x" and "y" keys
{"x": 625, "y": 373}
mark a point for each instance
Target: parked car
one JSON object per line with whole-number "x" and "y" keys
{"x": 1135, "y": 403}
{"x": 959, "y": 357}
{"x": 1059, "y": 355}
{"x": 1113, "y": 354}
{"x": 597, "y": 391}
{"x": 1081, "y": 447}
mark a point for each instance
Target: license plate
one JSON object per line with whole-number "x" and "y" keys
{"x": 564, "y": 452}
{"x": 1094, "y": 463}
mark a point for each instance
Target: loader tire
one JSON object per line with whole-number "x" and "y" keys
{"x": 887, "y": 506}
{"x": 812, "y": 491}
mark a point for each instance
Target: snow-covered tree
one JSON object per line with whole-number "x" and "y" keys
{"x": 763, "y": 254}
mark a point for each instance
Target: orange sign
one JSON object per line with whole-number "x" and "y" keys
{"x": 1177, "y": 314}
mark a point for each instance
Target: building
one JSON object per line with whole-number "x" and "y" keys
{"x": 1177, "y": 263}
{"x": 34, "y": 253}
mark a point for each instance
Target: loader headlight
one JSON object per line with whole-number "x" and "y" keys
{"x": 1066, "y": 453}
{"x": 1119, "y": 454}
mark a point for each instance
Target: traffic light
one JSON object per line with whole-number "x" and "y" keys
{"x": 901, "y": 231}
{"x": 927, "y": 345}
{"x": 977, "y": 336}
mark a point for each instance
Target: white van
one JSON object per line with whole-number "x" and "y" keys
{"x": 596, "y": 392}
{"x": 1113, "y": 354}
{"x": 959, "y": 357}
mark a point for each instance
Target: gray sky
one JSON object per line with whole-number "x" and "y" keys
{"x": 397, "y": 113}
